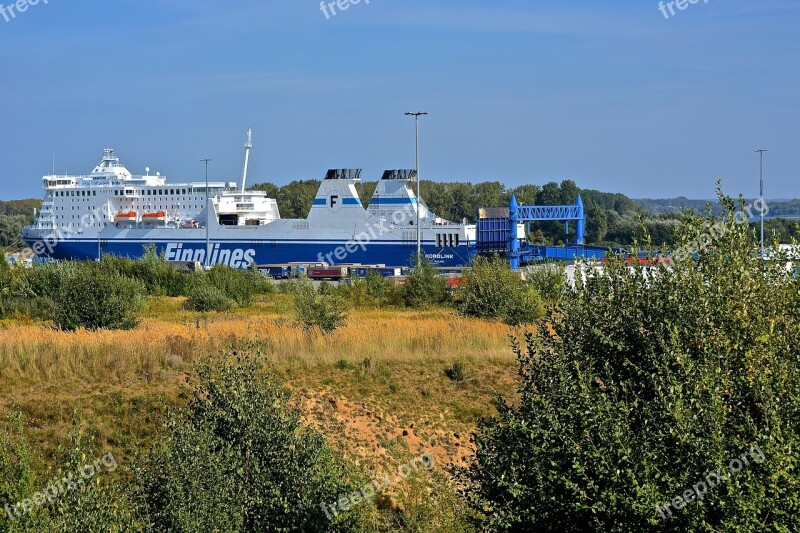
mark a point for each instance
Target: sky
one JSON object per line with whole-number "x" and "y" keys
{"x": 615, "y": 95}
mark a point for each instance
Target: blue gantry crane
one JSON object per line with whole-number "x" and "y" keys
{"x": 499, "y": 233}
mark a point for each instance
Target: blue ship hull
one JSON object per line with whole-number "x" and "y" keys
{"x": 240, "y": 254}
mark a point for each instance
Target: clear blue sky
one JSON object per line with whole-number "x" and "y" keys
{"x": 610, "y": 94}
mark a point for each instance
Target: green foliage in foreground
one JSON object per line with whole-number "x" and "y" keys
{"x": 547, "y": 279}
{"x": 644, "y": 382}
{"x": 239, "y": 458}
{"x": 95, "y": 504}
{"x": 492, "y": 290}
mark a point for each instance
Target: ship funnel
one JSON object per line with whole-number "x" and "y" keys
{"x": 337, "y": 194}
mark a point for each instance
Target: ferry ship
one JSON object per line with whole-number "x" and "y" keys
{"x": 111, "y": 211}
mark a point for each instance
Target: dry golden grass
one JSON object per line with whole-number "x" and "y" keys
{"x": 170, "y": 338}
{"x": 377, "y": 384}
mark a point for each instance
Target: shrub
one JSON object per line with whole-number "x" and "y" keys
{"x": 41, "y": 280}
{"x": 160, "y": 276}
{"x": 18, "y": 477}
{"x": 457, "y": 372}
{"x": 295, "y": 285}
{"x": 525, "y": 307}
{"x": 101, "y": 504}
{"x": 424, "y": 286}
{"x": 97, "y": 506}
{"x": 648, "y": 379}
{"x": 548, "y": 280}
{"x": 315, "y": 311}
{"x": 240, "y": 458}
{"x": 370, "y": 291}
{"x": 205, "y": 297}
{"x": 5, "y": 274}
{"x": 492, "y": 290}
{"x": 91, "y": 297}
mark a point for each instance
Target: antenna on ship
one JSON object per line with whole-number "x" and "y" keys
{"x": 247, "y": 148}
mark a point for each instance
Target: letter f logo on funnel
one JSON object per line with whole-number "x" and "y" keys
{"x": 334, "y": 203}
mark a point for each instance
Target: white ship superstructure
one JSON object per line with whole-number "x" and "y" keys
{"x": 111, "y": 211}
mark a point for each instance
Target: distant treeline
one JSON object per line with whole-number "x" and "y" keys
{"x": 665, "y": 206}
{"x": 14, "y": 214}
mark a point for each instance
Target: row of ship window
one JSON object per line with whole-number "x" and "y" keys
{"x": 142, "y": 192}
{"x": 163, "y": 206}
{"x": 447, "y": 240}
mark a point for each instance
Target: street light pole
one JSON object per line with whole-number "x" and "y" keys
{"x": 208, "y": 218}
{"x": 761, "y": 195}
{"x": 416, "y": 116}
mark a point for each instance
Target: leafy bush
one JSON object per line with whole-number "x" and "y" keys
{"x": 18, "y": 476}
{"x": 371, "y": 291}
{"x": 5, "y": 274}
{"x": 526, "y": 307}
{"x": 239, "y": 458}
{"x": 316, "y": 311}
{"x": 205, "y": 297}
{"x": 648, "y": 379}
{"x": 548, "y": 280}
{"x": 97, "y": 506}
{"x": 160, "y": 276}
{"x": 41, "y": 280}
{"x": 424, "y": 286}
{"x": 241, "y": 285}
{"x": 296, "y": 285}
{"x": 492, "y": 290}
{"x": 91, "y": 297}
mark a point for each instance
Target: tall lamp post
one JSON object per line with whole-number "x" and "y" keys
{"x": 760, "y": 153}
{"x": 208, "y": 218}
{"x": 416, "y": 115}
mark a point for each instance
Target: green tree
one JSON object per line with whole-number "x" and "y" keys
{"x": 424, "y": 286}
{"x": 641, "y": 384}
{"x": 326, "y": 312}
{"x": 295, "y": 199}
{"x": 596, "y": 224}
{"x": 271, "y": 189}
{"x": 91, "y": 297}
{"x": 526, "y": 194}
{"x": 239, "y": 458}
{"x": 492, "y": 290}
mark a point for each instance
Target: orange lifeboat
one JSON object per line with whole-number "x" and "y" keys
{"x": 156, "y": 216}
{"x": 125, "y": 216}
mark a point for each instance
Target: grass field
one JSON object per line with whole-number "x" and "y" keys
{"x": 374, "y": 387}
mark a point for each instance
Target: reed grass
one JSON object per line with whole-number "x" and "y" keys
{"x": 170, "y": 338}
